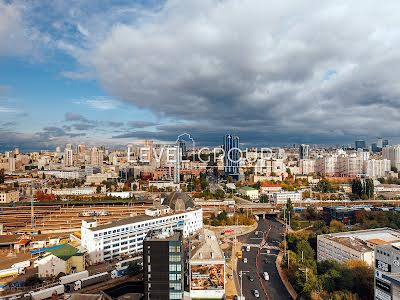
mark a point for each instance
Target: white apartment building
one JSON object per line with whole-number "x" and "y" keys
{"x": 307, "y": 166}
{"x": 62, "y": 174}
{"x": 9, "y": 196}
{"x": 350, "y": 165}
{"x": 344, "y": 246}
{"x": 376, "y": 168}
{"x": 283, "y": 197}
{"x": 250, "y": 192}
{"x": 392, "y": 153}
{"x": 125, "y": 236}
{"x": 327, "y": 165}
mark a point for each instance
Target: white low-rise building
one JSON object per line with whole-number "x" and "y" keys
{"x": 283, "y": 197}
{"x": 125, "y": 236}
{"x": 250, "y": 192}
{"x": 358, "y": 245}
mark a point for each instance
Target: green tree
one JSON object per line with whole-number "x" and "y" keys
{"x": 134, "y": 269}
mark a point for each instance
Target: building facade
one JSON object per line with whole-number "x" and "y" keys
{"x": 163, "y": 265}
{"x": 232, "y": 155}
{"x": 124, "y": 237}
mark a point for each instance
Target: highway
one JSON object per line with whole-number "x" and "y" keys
{"x": 259, "y": 261}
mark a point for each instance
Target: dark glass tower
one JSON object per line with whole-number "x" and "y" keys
{"x": 232, "y": 155}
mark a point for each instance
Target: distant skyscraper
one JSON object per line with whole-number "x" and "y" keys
{"x": 68, "y": 156}
{"x": 183, "y": 148}
{"x": 81, "y": 149}
{"x": 379, "y": 143}
{"x": 385, "y": 143}
{"x": 360, "y": 144}
{"x": 304, "y": 151}
{"x": 177, "y": 165}
{"x": 232, "y": 155}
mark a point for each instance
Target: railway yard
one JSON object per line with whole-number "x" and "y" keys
{"x": 62, "y": 218}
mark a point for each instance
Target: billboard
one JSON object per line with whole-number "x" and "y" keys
{"x": 207, "y": 277}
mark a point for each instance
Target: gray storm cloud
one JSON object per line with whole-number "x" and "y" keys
{"x": 300, "y": 68}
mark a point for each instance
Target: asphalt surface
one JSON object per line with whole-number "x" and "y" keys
{"x": 274, "y": 288}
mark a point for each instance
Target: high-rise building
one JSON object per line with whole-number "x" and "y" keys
{"x": 163, "y": 265}
{"x": 232, "y": 155}
{"x": 177, "y": 166}
{"x": 96, "y": 157}
{"x": 360, "y": 144}
{"x": 304, "y": 151}
{"x": 385, "y": 143}
{"x": 392, "y": 153}
{"x": 68, "y": 156}
{"x": 11, "y": 164}
{"x": 81, "y": 149}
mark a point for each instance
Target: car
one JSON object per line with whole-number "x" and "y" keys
{"x": 248, "y": 248}
{"x": 245, "y": 260}
{"x": 266, "y": 276}
{"x": 266, "y": 261}
{"x": 236, "y": 297}
{"x": 256, "y": 294}
{"x": 251, "y": 278}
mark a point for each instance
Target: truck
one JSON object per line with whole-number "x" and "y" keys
{"x": 11, "y": 272}
{"x": 73, "y": 277}
{"x": 82, "y": 283}
{"x": 23, "y": 264}
{"x": 118, "y": 273}
{"x": 46, "y": 293}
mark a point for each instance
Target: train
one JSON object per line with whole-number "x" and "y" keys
{"x": 85, "y": 282}
{"x": 46, "y": 293}
{"x": 125, "y": 263}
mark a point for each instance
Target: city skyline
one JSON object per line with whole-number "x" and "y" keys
{"x": 112, "y": 73}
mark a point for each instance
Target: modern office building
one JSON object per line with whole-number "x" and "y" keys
{"x": 344, "y": 246}
{"x": 387, "y": 272}
{"x": 304, "y": 151}
{"x": 125, "y": 236}
{"x": 360, "y": 144}
{"x": 232, "y": 155}
{"x": 163, "y": 265}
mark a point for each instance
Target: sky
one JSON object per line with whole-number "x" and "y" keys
{"x": 273, "y": 72}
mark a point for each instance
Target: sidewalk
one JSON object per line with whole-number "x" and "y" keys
{"x": 283, "y": 276}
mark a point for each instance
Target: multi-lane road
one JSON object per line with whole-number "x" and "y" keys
{"x": 262, "y": 259}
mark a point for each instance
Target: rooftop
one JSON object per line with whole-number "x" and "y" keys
{"x": 65, "y": 252}
{"x": 206, "y": 247}
{"x": 364, "y": 240}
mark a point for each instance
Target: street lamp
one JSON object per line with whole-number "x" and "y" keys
{"x": 241, "y": 282}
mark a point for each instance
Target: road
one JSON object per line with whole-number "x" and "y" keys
{"x": 257, "y": 264}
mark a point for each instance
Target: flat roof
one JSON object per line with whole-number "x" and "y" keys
{"x": 359, "y": 240}
{"x": 123, "y": 222}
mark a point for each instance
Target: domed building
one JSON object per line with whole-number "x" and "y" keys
{"x": 179, "y": 201}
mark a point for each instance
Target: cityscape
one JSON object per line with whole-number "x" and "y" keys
{"x": 199, "y": 149}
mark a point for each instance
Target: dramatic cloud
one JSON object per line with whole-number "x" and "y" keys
{"x": 290, "y": 69}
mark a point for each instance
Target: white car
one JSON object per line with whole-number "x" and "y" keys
{"x": 256, "y": 294}
{"x": 266, "y": 276}
{"x": 245, "y": 260}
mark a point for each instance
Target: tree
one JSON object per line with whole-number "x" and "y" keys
{"x": 98, "y": 189}
{"x": 2, "y": 177}
{"x": 264, "y": 199}
{"x": 304, "y": 250}
{"x": 289, "y": 209}
{"x": 134, "y": 269}
{"x": 311, "y": 213}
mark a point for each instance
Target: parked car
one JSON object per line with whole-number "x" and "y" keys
{"x": 251, "y": 278}
{"x": 256, "y": 294}
{"x": 245, "y": 260}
